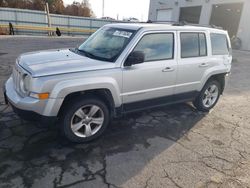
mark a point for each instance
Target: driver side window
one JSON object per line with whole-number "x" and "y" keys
{"x": 156, "y": 46}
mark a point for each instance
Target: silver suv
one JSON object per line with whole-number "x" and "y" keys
{"x": 121, "y": 68}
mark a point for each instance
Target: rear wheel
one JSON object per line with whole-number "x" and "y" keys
{"x": 84, "y": 119}
{"x": 208, "y": 96}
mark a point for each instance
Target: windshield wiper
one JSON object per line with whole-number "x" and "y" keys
{"x": 87, "y": 54}
{"x": 90, "y": 55}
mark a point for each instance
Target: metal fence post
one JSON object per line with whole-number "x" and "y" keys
{"x": 16, "y": 20}
{"x": 90, "y": 26}
{"x": 68, "y": 25}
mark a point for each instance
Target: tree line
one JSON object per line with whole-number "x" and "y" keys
{"x": 55, "y": 6}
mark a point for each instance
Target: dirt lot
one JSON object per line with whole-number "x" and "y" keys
{"x": 175, "y": 146}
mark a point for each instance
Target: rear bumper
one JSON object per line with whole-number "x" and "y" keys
{"x": 227, "y": 77}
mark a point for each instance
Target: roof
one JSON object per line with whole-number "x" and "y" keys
{"x": 163, "y": 26}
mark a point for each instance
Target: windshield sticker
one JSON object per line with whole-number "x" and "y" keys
{"x": 122, "y": 34}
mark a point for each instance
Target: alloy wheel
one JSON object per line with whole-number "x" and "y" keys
{"x": 87, "y": 121}
{"x": 210, "y": 96}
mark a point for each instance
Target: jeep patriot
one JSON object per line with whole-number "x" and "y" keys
{"x": 121, "y": 68}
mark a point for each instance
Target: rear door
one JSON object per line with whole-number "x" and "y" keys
{"x": 193, "y": 61}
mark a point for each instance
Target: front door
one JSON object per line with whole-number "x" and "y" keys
{"x": 155, "y": 78}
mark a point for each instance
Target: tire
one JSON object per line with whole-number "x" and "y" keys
{"x": 80, "y": 123}
{"x": 206, "y": 93}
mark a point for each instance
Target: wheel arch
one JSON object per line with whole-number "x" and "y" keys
{"x": 103, "y": 94}
{"x": 219, "y": 78}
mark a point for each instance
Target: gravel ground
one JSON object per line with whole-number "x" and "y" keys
{"x": 174, "y": 146}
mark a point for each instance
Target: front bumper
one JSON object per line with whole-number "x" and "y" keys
{"x": 26, "y": 107}
{"x": 32, "y": 116}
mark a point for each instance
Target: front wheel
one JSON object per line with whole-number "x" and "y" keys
{"x": 209, "y": 96}
{"x": 84, "y": 119}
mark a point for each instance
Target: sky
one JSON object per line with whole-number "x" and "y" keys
{"x": 121, "y": 8}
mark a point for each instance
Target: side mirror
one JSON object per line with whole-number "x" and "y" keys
{"x": 135, "y": 57}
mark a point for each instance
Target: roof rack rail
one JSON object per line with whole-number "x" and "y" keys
{"x": 180, "y": 23}
{"x": 183, "y": 23}
{"x": 163, "y": 22}
{"x": 202, "y": 25}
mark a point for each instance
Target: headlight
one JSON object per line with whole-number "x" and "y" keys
{"x": 25, "y": 83}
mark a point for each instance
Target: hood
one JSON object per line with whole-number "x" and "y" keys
{"x": 51, "y": 62}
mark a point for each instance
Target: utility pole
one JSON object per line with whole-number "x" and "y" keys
{"x": 103, "y": 8}
{"x": 48, "y": 16}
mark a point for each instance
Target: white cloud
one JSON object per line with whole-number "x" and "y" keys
{"x": 123, "y": 8}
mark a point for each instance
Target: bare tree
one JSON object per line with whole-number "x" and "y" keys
{"x": 79, "y": 9}
{"x": 55, "y": 6}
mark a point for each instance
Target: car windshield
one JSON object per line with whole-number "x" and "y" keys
{"x": 106, "y": 44}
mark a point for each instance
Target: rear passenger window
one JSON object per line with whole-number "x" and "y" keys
{"x": 219, "y": 44}
{"x": 193, "y": 45}
{"x": 157, "y": 46}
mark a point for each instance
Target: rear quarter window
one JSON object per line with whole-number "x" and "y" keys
{"x": 219, "y": 44}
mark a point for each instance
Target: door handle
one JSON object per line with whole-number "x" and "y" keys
{"x": 204, "y": 65}
{"x": 168, "y": 69}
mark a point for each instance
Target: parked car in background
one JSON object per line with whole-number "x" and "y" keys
{"x": 120, "y": 69}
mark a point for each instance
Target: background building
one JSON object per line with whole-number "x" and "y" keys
{"x": 232, "y": 15}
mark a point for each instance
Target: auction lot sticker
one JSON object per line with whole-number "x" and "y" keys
{"x": 125, "y": 34}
